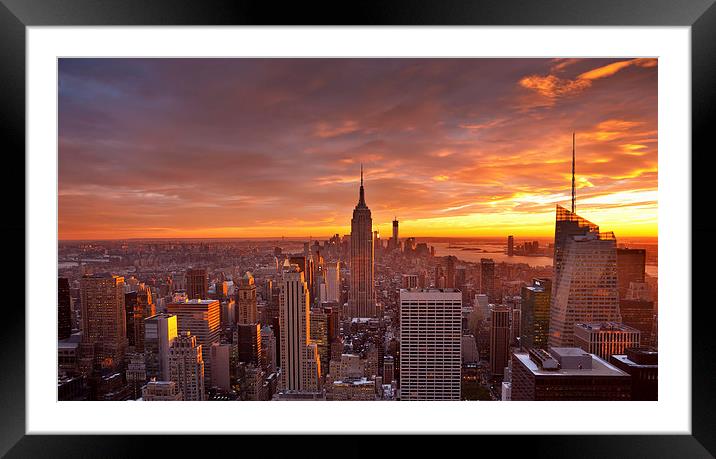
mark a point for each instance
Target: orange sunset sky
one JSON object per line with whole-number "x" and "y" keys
{"x": 272, "y": 147}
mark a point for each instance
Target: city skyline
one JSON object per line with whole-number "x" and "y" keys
{"x": 452, "y": 147}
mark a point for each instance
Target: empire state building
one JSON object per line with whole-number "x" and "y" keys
{"x": 362, "y": 293}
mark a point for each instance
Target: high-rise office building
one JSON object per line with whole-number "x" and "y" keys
{"x": 203, "y": 319}
{"x": 394, "y": 241}
{"x": 197, "y": 284}
{"x": 319, "y": 334}
{"x": 409, "y": 281}
{"x": 104, "y": 337}
{"x": 430, "y": 344}
{"x": 499, "y": 338}
{"x": 450, "y": 271}
{"x": 510, "y": 246}
{"x": 534, "y": 329}
{"x": 587, "y": 286}
{"x": 605, "y": 339}
{"x": 247, "y": 339}
{"x": 362, "y": 291}
{"x": 220, "y": 369}
{"x": 64, "y": 309}
{"x": 566, "y": 374}
{"x": 567, "y": 224}
{"x": 642, "y": 364}
{"x": 631, "y": 267}
{"x": 268, "y": 349}
{"x": 246, "y": 300}
{"x": 333, "y": 282}
{"x": 294, "y": 319}
{"x": 487, "y": 278}
{"x": 186, "y": 367}
{"x": 638, "y": 311}
{"x": 160, "y": 331}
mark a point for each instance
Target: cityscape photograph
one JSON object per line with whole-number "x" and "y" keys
{"x": 357, "y": 229}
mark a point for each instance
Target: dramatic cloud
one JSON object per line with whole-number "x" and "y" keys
{"x": 272, "y": 147}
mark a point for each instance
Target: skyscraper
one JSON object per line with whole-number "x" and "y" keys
{"x": 631, "y": 267}
{"x": 294, "y": 317}
{"x": 430, "y": 344}
{"x": 567, "y": 224}
{"x": 246, "y": 300}
{"x": 64, "y": 308}
{"x": 186, "y": 367}
{"x": 160, "y": 331}
{"x": 104, "y": 338}
{"x": 362, "y": 292}
{"x": 197, "y": 284}
{"x": 333, "y": 282}
{"x": 510, "y": 246}
{"x": 202, "y": 318}
{"x": 394, "y": 240}
{"x": 587, "y": 286}
{"x": 534, "y": 329}
{"x": 247, "y": 339}
{"x": 487, "y": 278}
{"x": 499, "y": 338}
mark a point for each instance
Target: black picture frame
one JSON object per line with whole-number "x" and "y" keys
{"x": 16, "y": 15}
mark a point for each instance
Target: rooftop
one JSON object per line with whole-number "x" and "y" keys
{"x": 599, "y": 367}
{"x": 194, "y": 302}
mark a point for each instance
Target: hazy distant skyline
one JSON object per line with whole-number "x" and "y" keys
{"x": 241, "y": 148}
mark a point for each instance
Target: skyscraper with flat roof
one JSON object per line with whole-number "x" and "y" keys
{"x": 631, "y": 267}
{"x": 534, "y": 329}
{"x": 160, "y": 331}
{"x": 104, "y": 338}
{"x": 203, "y": 319}
{"x": 64, "y": 309}
{"x": 197, "y": 284}
{"x": 487, "y": 278}
{"x": 294, "y": 320}
{"x": 362, "y": 293}
{"x": 430, "y": 344}
{"x": 499, "y": 338}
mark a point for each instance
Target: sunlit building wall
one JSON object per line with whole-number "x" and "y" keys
{"x": 430, "y": 344}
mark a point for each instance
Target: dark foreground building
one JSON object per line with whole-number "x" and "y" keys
{"x": 566, "y": 373}
{"x": 642, "y": 363}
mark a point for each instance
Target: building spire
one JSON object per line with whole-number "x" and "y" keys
{"x": 361, "y": 200}
{"x": 574, "y": 194}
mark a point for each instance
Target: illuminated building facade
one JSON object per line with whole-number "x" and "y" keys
{"x": 160, "y": 332}
{"x": 246, "y": 300}
{"x": 534, "y": 329}
{"x": 430, "y": 344}
{"x": 587, "y": 286}
{"x": 605, "y": 339}
{"x": 203, "y": 319}
{"x": 197, "y": 284}
{"x": 104, "y": 336}
{"x": 186, "y": 367}
{"x": 362, "y": 291}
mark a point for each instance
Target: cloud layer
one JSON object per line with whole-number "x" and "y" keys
{"x": 271, "y": 147}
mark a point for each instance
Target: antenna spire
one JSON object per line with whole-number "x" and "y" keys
{"x": 574, "y": 194}
{"x": 361, "y": 200}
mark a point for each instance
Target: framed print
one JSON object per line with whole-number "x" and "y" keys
{"x": 464, "y": 218}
